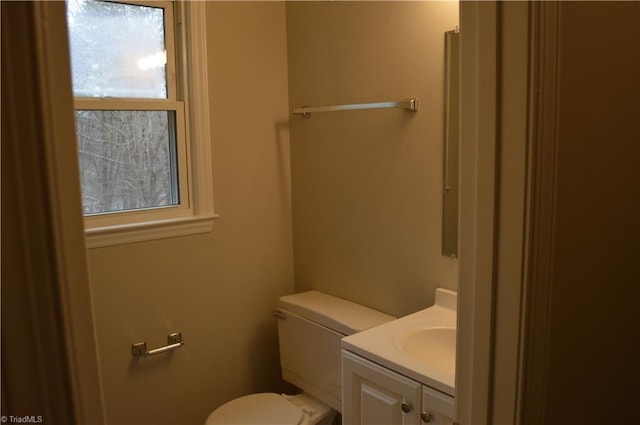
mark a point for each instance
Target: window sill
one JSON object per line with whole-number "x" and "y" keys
{"x": 147, "y": 231}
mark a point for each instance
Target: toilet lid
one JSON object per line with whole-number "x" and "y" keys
{"x": 263, "y": 409}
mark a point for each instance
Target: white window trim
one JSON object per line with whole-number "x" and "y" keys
{"x": 199, "y": 216}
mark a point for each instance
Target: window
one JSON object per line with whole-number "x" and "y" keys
{"x": 139, "y": 82}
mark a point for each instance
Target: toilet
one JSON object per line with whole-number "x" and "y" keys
{"x": 310, "y": 327}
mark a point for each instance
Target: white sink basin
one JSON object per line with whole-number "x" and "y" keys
{"x": 421, "y": 346}
{"x": 436, "y": 345}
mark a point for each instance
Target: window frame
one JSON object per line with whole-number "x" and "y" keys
{"x": 187, "y": 95}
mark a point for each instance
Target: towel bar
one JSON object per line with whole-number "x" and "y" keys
{"x": 410, "y": 104}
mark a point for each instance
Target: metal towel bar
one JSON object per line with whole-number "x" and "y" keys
{"x": 410, "y": 104}
{"x": 174, "y": 341}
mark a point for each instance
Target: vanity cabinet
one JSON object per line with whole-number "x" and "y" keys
{"x": 437, "y": 407}
{"x": 375, "y": 395}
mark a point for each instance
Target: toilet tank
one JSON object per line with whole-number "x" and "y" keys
{"x": 310, "y": 327}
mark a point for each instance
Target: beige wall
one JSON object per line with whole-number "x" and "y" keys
{"x": 218, "y": 289}
{"x": 367, "y": 196}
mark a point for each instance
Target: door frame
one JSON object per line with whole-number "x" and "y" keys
{"x": 54, "y": 356}
{"x": 499, "y": 81}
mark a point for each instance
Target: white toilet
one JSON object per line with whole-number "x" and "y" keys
{"x": 310, "y": 327}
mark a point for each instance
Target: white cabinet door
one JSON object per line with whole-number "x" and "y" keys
{"x": 374, "y": 395}
{"x": 437, "y": 407}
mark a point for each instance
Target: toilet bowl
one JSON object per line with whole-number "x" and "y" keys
{"x": 310, "y": 327}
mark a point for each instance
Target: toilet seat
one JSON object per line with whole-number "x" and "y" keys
{"x": 262, "y": 408}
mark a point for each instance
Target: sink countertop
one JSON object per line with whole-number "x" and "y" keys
{"x": 386, "y": 344}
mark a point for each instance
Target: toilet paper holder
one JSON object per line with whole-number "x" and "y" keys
{"x": 174, "y": 340}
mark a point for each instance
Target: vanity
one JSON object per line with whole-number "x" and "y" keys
{"x": 403, "y": 372}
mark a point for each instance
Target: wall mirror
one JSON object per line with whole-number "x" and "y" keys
{"x": 450, "y": 178}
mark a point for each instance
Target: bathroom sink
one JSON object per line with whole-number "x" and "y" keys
{"x": 420, "y": 346}
{"x": 437, "y": 344}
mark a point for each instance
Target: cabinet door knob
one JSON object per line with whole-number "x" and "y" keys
{"x": 426, "y": 417}
{"x": 406, "y": 407}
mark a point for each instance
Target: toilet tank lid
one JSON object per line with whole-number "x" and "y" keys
{"x": 335, "y": 313}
